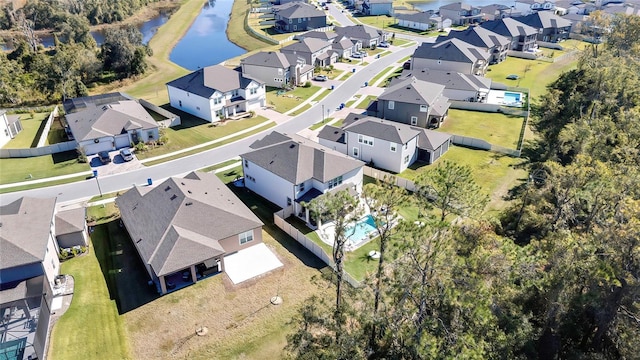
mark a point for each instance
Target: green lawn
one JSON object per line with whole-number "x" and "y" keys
{"x": 379, "y": 21}
{"x": 354, "y": 98}
{"x": 40, "y": 167}
{"x": 402, "y": 42}
{"x": 320, "y": 124}
{"x": 364, "y": 103}
{"x": 497, "y": 129}
{"x": 331, "y": 74}
{"x": 56, "y": 133}
{"x": 380, "y": 74}
{"x": 91, "y": 327}
{"x": 301, "y": 110}
{"x": 32, "y": 127}
{"x": 220, "y": 165}
{"x": 194, "y": 131}
{"x": 290, "y": 99}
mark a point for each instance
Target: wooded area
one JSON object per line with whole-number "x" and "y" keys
{"x": 554, "y": 276}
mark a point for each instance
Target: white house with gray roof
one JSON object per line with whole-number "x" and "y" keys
{"x": 425, "y": 20}
{"x": 368, "y": 36}
{"x": 10, "y": 126}
{"x": 385, "y": 144}
{"x": 314, "y": 51}
{"x": 495, "y": 44}
{"x": 184, "y": 227}
{"x": 277, "y": 69}
{"x": 413, "y": 102}
{"x": 289, "y": 170}
{"x": 457, "y": 86}
{"x": 451, "y": 55}
{"x": 461, "y": 13}
{"x": 216, "y": 92}
{"x": 98, "y": 126}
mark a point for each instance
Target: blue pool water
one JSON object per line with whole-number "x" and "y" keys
{"x": 360, "y": 231}
{"x": 511, "y": 98}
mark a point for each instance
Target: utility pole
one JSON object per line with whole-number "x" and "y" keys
{"x": 323, "y": 113}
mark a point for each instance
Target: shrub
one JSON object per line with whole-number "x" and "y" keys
{"x": 141, "y": 147}
{"x": 82, "y": 155}
{"x": 307, "y": 84}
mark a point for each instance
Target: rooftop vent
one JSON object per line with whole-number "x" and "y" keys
{"x": 189, "y": 203}
{"x": 167, "y": 188}
{"x": 292, "y": 146}
{"x": 137, "y": 241}
{"x": 173, "y": 197}
{"x": 189, "y": 191}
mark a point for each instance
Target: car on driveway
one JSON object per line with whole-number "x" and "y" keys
{"x": 513, "y": 77}
{"x": 357, "y": 55}
{"x": 126, "y": 154}
{"x": 384, "y": 44}
{"x": 104, "y": 157}
{"x": 320, "y": 78}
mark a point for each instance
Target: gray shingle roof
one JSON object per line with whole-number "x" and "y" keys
{"x": 204, "y": 82}
{"x": 413, "y": 91}
{"x": 306, "y": 45}
{"x": 332, "y": 133}
{"x": 80, "y": 103}
{"x": 70, "y": 221}
{"x": 431, "y": 140}
{"x": 357, "y": 32}
{"x": 109, "y": 120}
{"x": 477, "y": 36}
{"x": 544, "y": 20}
{"x": 425, "y": 17}
{"x": 24, "y": 231}
{"x": 382, "y": 129}
{"x": 509, "y": 27}
{"x": 179, "y": 222}
{"x": 322, "y": 35}
{"x": 272, "y": 59}
{"x": 299, "y": 159}
{"x": 452, "y": 50}
{"x": 298, "y": 9}
{"x": 449, "y": 79}
{"x": 457, "y": 6}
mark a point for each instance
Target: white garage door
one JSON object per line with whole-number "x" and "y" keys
{"x": 122, "y": 141}
{"x": 94, "y": 148}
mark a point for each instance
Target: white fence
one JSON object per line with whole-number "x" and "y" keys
{"x": 39, "y": 151}
{"x": 47, "y": 127}
{"x": 383, "y": 175}
{"x": 279, "y": 221}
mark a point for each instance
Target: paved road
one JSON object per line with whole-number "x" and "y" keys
{"x": 85, "y": 189}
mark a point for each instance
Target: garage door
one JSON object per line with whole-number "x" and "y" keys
{"x": 94, "y": 148}
{"x": 122, "y": 141}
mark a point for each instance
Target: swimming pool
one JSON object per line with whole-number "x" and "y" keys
{"x": 511, "y": 98}
{"x": 361, "y": 230}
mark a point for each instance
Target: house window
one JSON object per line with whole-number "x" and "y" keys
{"x": 220, "y": 113}
{"x": 335, "y": 182}
{"x": 414, "y": 120}
{"x": 299, "y": 20}
{"x": 198, "y": 108}
{"x": 423, "y": 108}
{"x": 392, "y": 105}
{"x": 290, "y": 21}
{"x": 246, "y": 163}
{"x": 180, "y": 103}
{"x": 355, "y": 152}
{"x": 217, "y": 100}
{"x": 362, "y": 139}
{"x": 406, "y": 159}
{"x": 245, "y": 237}
{"x": 288, "y": 201}
{"x": 392, "y": 147}
{"x": 253, "y": 91}
{"x": 301, "y": 187}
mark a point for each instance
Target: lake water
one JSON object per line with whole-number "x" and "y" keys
{"x": 206, "y": 43}
{"x": 436, "y": 4}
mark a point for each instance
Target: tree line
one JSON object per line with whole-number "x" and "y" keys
{"x": 31, "y": 74}
{"x": 555, "y": 275}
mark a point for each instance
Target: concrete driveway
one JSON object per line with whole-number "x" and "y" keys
{"x": 116, "y": 166}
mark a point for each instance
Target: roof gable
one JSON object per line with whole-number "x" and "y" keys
{"x": 413, "y": 91}
{"x": 452, "y": 49}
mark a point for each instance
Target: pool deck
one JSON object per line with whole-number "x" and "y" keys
{"x": 497, "y": 97}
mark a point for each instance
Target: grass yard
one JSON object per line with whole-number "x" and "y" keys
{"x": 194, "y": 131}
{"x": 495, "y": 173}
{"x": 290, "y": 99}
{"x": 56, "y": 133}
{"x": 267, "y": 30}
{"x": 332, "y": 74}
{"x": 497, "y": 129}
{"x": 378, "y": 21}
{"x": 91, "y": 327}
{"x": 320, "y": 124}
{"x": 40, "y": 167}
{"x": 301, "y": 110}
{"x": 32, "y": 127}
{"x": 364, "y": 103}
{"x": 235, "y": 29}
{"x": 380, "y": 74}
{"x": 402, "y": 42}
{"x": 352, "y": 100}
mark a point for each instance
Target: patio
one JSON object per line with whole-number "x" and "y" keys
{"x": 18, "y": 331}
{"x": 250, "y": 262}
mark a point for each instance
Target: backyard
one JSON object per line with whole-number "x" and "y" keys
{"x": 495, "y": 128}
{"x": 32, "y": 127}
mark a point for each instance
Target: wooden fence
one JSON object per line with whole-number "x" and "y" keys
{"x": 302, "y": 239}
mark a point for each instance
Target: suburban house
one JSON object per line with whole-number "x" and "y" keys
{"x": 461, "y": 13}
{"x": 10, "y": 126}
{"x": 425, "y": 20}
{"x": 345, "y": 47}
{"x": 315, "y": 52}
{"x": 274, "y": 68}
{"x": 564, "y": 7}
{"x": 289, "y": 170}
{"x": 216, "y": 92}
{"x": 184, "y": 227}
{"x": 527, "y": 7}
{"x": 523, "y": 37}
{"x": 298, "y": 16}
{"x": 497, "y": 45}
{"x": 452, "y": 55}
{"x": 29, "y": 268}
{"x": 377, "y": 7}
{"x": 412, "y": 101}
{"x": 495, "y": 11}
{"x": 322, "y": 35}
{"x": 385, "y": 144}
{"x": 457, "y": 86}
{"x": 551, "y": 27}
{"x": 368, "y": 36}
{"x": 103, "y": 123}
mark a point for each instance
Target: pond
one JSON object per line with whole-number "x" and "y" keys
{"x": 436, "y": 4}
{"x": 206, "y": 42}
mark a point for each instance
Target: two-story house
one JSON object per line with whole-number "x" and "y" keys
{"x": 412, "y": 101}
{"x": 551, "y": 27}
{"x": 497, "y": 45}
{"x": 289, "y": 170}
{"x": 368, "y": 36}
{"x": 523, "y": 37}
{"x": 298, "y": 16}
{"x": 314, "y": 51}
{"x": 377, "y": 7}
{"x": 452, "y": 55}
{"x": 385, "y": 144}
{"x": 216, "y": 92}
{"x": 495, "y": 11}
{"x": 276, "y": 69}
{"x": 457, "y": 86}
{"x": 461, "y": 13}
{"x": 527, "y": 7}
{"x": 423, "y": 21}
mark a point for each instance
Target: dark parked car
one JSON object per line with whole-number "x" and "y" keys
{"x": 104, "y": 157}
{"x": 126, "y": 154}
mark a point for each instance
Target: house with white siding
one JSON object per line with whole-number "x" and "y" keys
{"x": 289, "y": 170}
{"x": 385, "y": 144}
{"x": 10, "y": 126}
{"x": 216, "y": 92}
